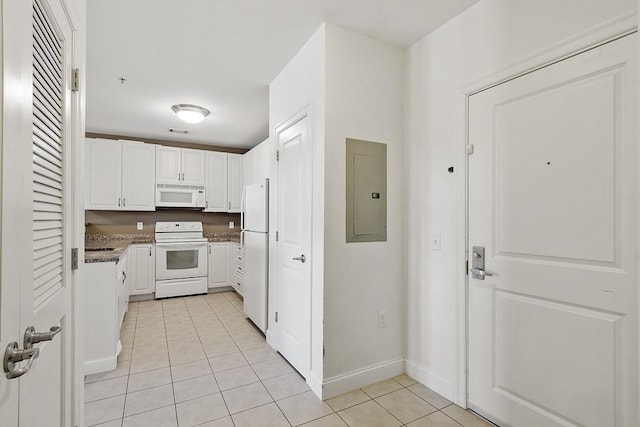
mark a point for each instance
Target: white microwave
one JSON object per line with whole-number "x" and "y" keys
{"x": 179, "y": 196}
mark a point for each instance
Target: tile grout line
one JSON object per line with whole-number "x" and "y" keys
{"x": 135, "y": 331}
{"x": 209, "y": 362}
{"x": 251, "y": 367}
{"x": 242, "y": 355}
{"x": 212, "y": 310}
{"x": 173, "y": 392}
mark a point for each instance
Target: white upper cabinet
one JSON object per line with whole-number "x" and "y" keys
{"x": 256, "y": 163}
{"x": 179, "y": 166}
{"x": 103, "y": 174}
{"x": 216, "y": 182}
{"x": 120, "y": 175}
{"x": 168, "y": 165}
{"x": 138, "y": 176}
{"x": 192, "y": 167}
{"x": 234, "y": 184}
{"x": 247, "y": 167}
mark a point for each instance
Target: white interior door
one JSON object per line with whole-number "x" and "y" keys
{"x": 36, "y": 177}
{"x": 293, "y": 299}
{"x": 553, "y": 333}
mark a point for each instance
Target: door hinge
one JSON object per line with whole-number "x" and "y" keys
{"x": 277, "y": 235}
{"x": 74, "y": 258}
{"x": 75, "y": 80}
{"x": 276, "y": 317}
{"x": 277, "y": 155}
{"x": 470, "y": 149}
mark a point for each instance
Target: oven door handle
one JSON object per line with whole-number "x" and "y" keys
{"x": 202, "y": 245}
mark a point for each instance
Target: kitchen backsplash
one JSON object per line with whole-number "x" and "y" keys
{"x": 115, "y": 222}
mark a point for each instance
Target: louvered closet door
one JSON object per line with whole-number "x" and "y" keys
{"x": 45, "y": 391}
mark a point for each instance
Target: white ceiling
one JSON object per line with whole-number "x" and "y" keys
{"x": 220, "y": 54}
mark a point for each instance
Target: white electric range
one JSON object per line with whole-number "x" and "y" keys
{"x": 181, "y": 259}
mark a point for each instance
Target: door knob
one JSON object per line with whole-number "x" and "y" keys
{"x": 32, "y": 337}
{"x": 476, "y": 273}
{"x": 477, "y": 263}
{"x": 14, "y": 355}
{"x": 300, "y": 258}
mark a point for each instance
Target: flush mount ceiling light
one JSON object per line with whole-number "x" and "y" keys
{"x": 190, "y": 113}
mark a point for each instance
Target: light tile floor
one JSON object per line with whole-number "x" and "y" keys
{"x": 197, "y": 361}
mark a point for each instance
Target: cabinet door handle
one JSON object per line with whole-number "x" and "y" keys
{"x": 124, "y": 202}
{"x": 149, "y": 250}
{"x": 178, "y": 176}
{"x": 119, "y": 201}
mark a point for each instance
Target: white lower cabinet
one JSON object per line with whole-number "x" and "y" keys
{"x": 218, "y": 271}
{"x": 235, "y": 265}
{"x": 106, "y": 297}
{"x": 142, "y": 269}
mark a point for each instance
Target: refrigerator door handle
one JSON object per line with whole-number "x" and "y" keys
{"x": 242, "y": 207}
{"x": 242, "y": 239}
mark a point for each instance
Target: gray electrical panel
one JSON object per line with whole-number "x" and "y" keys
{"x": 366, "y": 191}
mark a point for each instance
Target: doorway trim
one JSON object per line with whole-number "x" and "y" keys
{"x": 313, "y": 376}
{"x": 594, "y": 37}
{"x": 75, "y": 207}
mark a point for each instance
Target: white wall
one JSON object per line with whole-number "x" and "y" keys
{"x": 488, "y": 37}
{"x": 300, "y": 86}
{"x": 351, "y": 86}
{"x": 364, "y": 100}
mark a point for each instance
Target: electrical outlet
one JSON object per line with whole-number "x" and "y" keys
{"x": 139, "y": 226}
{"x": 232, "y": 224}
{"x": 382, "y": 319}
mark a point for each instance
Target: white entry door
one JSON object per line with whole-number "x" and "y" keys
{"x": 36, "y": 173}
{"x": 293, "y": 299}
{"x": 553, "y": 327}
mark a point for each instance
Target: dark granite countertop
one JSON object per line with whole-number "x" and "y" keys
{"x": 114, "y": 245}
{"x": 231, "y": 236}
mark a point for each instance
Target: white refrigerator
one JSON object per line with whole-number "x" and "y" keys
{"x": 255, "y": 240}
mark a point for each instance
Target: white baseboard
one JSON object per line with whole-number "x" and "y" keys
{"x": 434, "y": 381}
{"x": 339, "y": 384}
{"x": 97, "y": 366}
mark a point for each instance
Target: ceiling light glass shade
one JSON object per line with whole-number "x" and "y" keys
{"x": 190, "y": 113}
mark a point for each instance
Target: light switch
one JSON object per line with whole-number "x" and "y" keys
{"x": 139, "y": 226}
{"x": 436, "y": 242}
{"x": 232, "y": 224}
